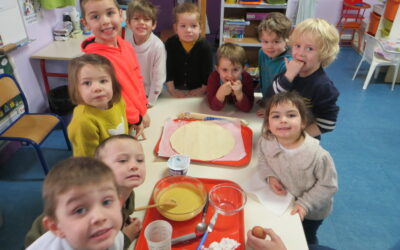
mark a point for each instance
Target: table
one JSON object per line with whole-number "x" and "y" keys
{"x": 288, "y": 227}
{"x": 58, "y": 51}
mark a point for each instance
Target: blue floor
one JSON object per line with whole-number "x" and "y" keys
{"x": 365, "y": 147}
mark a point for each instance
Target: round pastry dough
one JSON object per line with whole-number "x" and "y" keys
{"x": 203, "y": 140}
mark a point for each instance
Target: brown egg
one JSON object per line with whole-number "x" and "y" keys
{"x": 258, "y": 232}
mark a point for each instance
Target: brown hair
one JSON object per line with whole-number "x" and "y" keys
{"x": 99, "y": 149}
{"x": 70, "y": 173}
{"x": 189, "y": 8}
{"x": 285, "y": 97}
{"x": 144, "y": 7}
{"x": 325, "y": 34}
{"x": 83, "y": 2}
{"x": 276, "y": 22}
{"x": 75, "y": 67}
{"x": 232, "y": 52}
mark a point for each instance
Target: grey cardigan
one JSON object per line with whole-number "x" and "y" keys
{"x": 309, "y": 174}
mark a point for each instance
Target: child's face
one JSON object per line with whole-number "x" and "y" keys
{"x": 104, "y": 19}
{"x": 187, "y": 27}
{"x": 89, "y": 217}
{"x": 228, "y": 71}
{"x": 305, "y": 49}
{"x": 285, "y": 122}
{"x": 271, "y": 44}
{"x": 141, "y": 26}
{"x": 125, "y": 157}
{"x": 95, "y": 86}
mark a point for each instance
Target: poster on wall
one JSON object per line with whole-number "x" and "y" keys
{"x": 30, "y": 10}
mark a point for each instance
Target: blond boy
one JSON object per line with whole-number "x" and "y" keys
{"x": 141, "y": 19}
{"x": 81, "y": 207}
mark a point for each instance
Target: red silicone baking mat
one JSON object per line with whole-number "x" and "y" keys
{"x": 247, "y": 136}
{"x": 225, "y": 227}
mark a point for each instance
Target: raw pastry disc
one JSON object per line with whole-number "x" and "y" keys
{"x": 202, "y": 140}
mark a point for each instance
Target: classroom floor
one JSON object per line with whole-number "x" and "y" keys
{"x": 365, "y": 147}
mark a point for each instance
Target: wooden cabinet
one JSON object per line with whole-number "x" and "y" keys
{"x": 250, "y": 39}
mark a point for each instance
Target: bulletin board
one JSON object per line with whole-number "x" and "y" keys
{"x": 12, "y": 27}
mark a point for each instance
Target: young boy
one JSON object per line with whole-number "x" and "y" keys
{"x": 273, "y": 32}
{"x": 189, "y": 60}
{"x": 230, "y": 82}
{"x": 103, "y": 18}
{"x": 141, "y": 21}
{"x": 81, "y": 207}
{"x": 125, "y": 157}
{"x": 315, "y": 44}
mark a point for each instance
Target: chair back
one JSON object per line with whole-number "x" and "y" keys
{"x": 370, "y": 44}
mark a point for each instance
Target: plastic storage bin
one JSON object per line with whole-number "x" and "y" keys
{"x": 391, "y": 9}
{"x": 373, "y": 23}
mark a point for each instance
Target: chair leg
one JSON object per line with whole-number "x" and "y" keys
{"x": 368, "y": 78}
{"x": 41, "y": 158}
{"x": 396, "y": 71}
{"x": 377, "y": 72}
{"x": 66, "y": 136}
{"x": 358, "y": 67}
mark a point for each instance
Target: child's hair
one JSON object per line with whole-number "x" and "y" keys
{"x": 232, "y": 52}
{"x": 70, "y": 173}
{"x": 75, "y": 67}
{"x": 99, "y": 149}
{"x": 189, "y": 8}
{"x": 285, "y": 97}
{"x": 144, "y": 7}
{"x": 326, "y": 35}
{"x": 83, "y": 2}
{"x": 276, "y": 22}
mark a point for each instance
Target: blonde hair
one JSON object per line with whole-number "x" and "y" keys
{"x": 144, "y": 7}
{"x": 103, "y": 144}
{"x": 71, "y": 173}
{"x": 82, "y": 4}
{"x": 325, "y": 34}
{"x": 232, "y": 52}
{"x": 186, "y": 8}
{"x": 285, "y": 97}
{"x": 76, "y": 65}
{"x": 277, "y": 23}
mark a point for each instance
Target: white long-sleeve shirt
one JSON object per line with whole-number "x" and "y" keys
{"x": 152, "y": 58}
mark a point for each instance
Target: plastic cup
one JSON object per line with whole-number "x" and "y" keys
{"x": 158, "y": 235}
{"x": 178, "y": 165}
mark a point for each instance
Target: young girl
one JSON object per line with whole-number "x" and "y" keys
{"x": 101, "y": 110}
{"x": 189, "y": 59}
{"x": 292, "y": 161}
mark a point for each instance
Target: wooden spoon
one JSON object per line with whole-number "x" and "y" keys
{"x": 170, "y": 203}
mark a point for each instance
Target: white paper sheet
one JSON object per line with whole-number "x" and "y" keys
{"x": 275, "y": 203}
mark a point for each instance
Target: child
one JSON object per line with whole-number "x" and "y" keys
{"x": 81, "y": 207}
{"x": 230, "y": 82}
{"x": 294, "y": 162}
{"x": 315, "y": 44}
{"x": 141, "y": 20}
{"x": 101, "y": 110}
{"x": 273, "y": 32}
{"x": 189, "y": 58}
{"x": 103, "y": 18}
{"x": 124, "y": 155}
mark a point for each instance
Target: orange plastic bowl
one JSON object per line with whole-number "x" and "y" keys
{"x": 189, "y": 193}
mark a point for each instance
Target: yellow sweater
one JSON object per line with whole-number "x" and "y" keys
{"x": 90, "y": 126}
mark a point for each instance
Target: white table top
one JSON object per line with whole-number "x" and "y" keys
{"x": 61, "y": 50}
{"x": 287, "y": 226}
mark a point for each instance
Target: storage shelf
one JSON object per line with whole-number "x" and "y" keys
{"x": 255, "y": 6}
{"x": 244, "y": 42}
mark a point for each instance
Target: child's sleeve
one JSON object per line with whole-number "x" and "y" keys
{"x": 84, "y": 137}
{"x": 248, "y": 93}
{"x": 280, "y": 84}
{"x": 213, "y": 85}
{"x": 325, "y": 109}
{"x": 263, "y": 166}
{"x": 170, "y": 60}
{"x": 158, "y": 74}
{"x": 206, "y": 65}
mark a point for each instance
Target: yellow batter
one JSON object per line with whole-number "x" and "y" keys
{"x": 187, "y": 199}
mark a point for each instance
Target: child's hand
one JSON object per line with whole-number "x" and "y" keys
{"x": 274, "y": 242}
{"x": 146, "y": 121}
{"x": 198, "y": 92}
{"x": 276, "y": 186}
{"x": 224, "y": 90}
{"x": 132, "y": 228}
{"x": 139, "y": 131}
{"x": 260, "y": 112}
{"x": 177, "y": 93}
{"x": 300, "y": 210}
{"x": 293, "y": 68}
{"x": 237, "y": 86}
